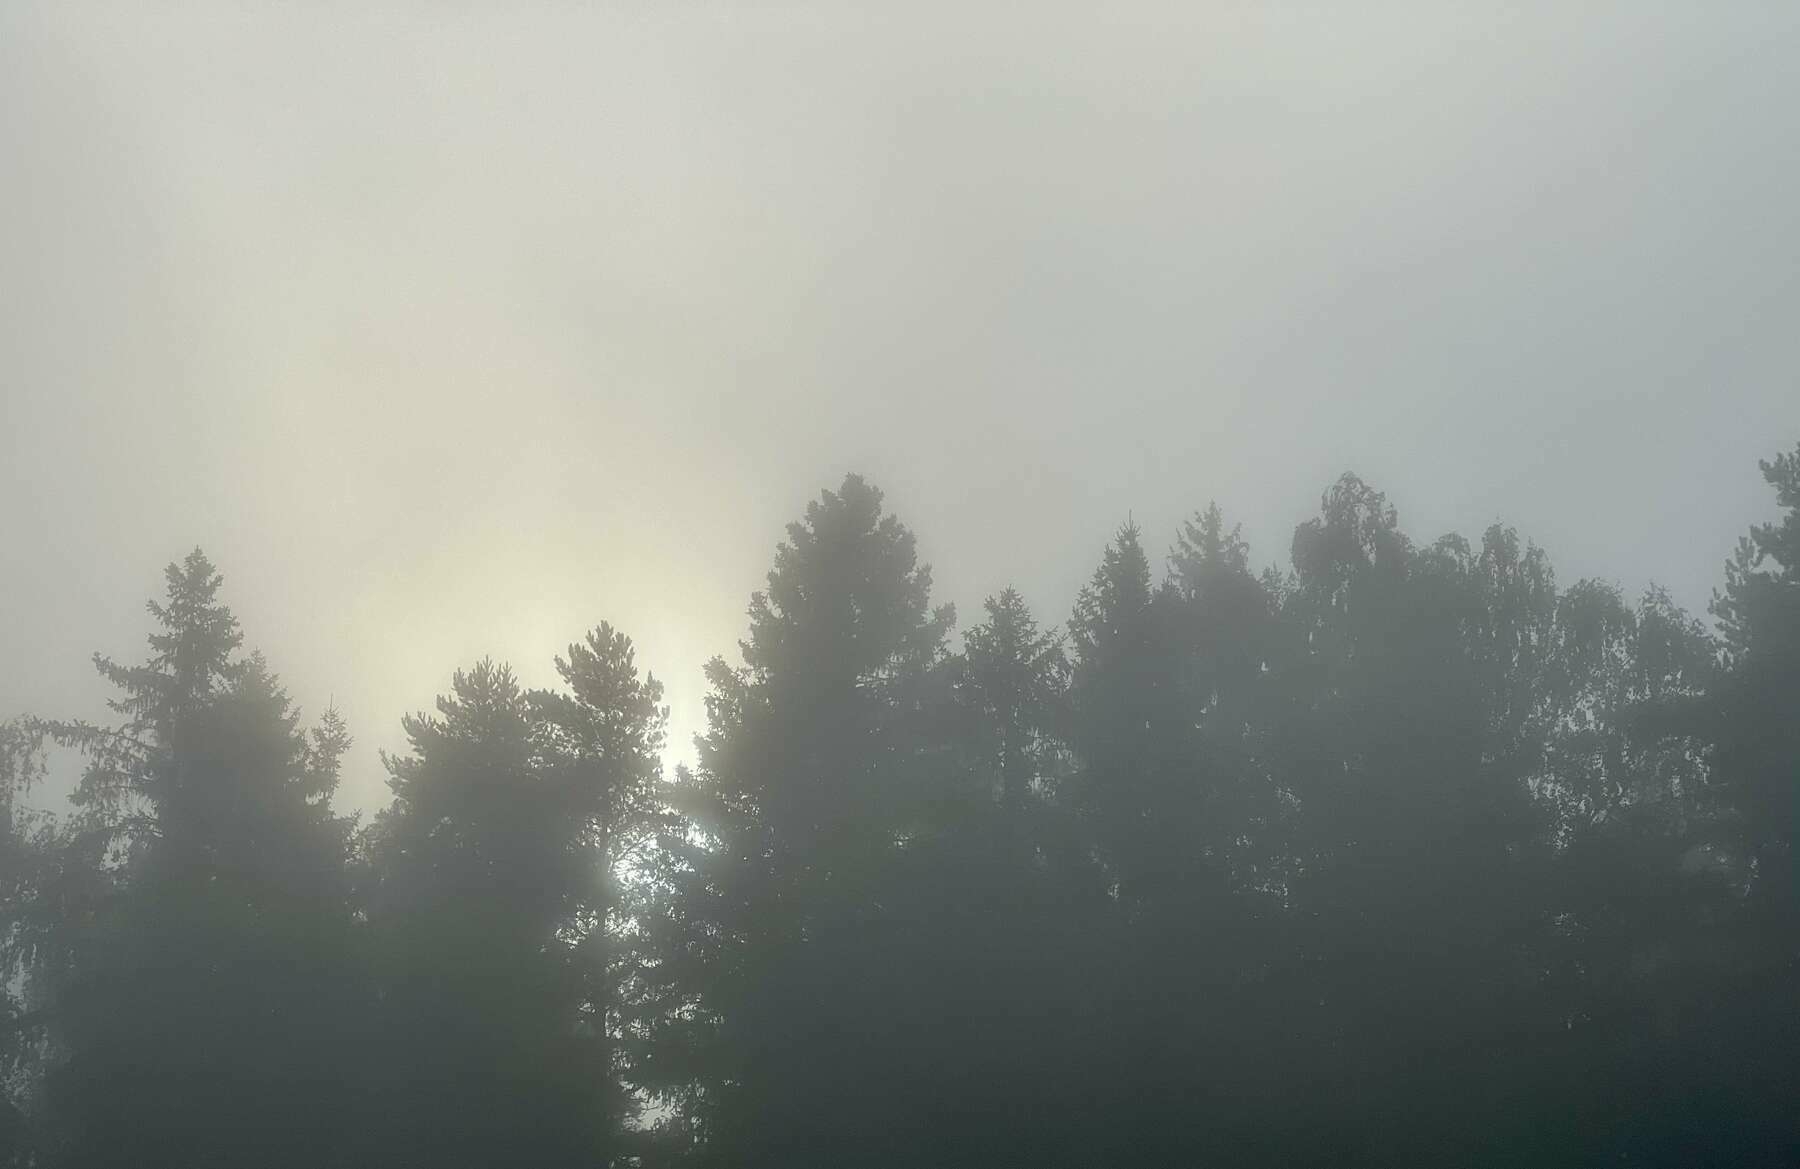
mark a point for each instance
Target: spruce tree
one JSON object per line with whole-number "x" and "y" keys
{"x": 817, "y": 771}
{"x": 197, "y": 982}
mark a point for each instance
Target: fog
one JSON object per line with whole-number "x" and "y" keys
{"x": 451, "y": 331}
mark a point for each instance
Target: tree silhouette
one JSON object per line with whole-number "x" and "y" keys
{"x": 491, "y": 897}
{"x": 1404, "y": 854}
{"x": 196, "y": 983}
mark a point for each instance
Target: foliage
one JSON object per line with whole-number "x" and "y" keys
{"x": 1402, "y": 855}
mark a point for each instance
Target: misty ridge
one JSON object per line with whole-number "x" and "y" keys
{"x": 1406, "y": 853}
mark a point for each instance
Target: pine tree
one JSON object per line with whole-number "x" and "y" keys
{"x": 1013, "y": 677}
{"x": 602, "y": 741}
{"x": 24, "y": 848}
{"x": 196, "y": 975}
{"x": 490, "y": 898}
{"x": 1757, "y": 729}
{"x": 816, "y": 772}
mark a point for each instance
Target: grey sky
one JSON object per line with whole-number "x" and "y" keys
{"x": 452, "y": 330}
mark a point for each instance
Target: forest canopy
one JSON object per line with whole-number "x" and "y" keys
{"x": 1404, "y": 854}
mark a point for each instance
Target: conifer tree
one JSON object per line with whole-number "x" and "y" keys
{"x": 1013, "y": 677}
{"x": 197, "y": 982}
{"x": 492, "y": 901}
{"x": 23, "y": 849}
{"x": 817, "y": 770}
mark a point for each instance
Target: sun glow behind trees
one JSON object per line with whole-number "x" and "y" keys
{"x": 1404, "y": 855}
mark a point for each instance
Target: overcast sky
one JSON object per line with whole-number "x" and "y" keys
{"x": 451, "y": 330}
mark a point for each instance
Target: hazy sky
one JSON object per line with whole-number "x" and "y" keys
{"x": 454, "y": 329}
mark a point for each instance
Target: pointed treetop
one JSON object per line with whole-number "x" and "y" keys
{"x": 847, "y": 593}
{"x": 1116, "y": 594}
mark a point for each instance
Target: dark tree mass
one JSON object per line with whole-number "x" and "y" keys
{"x": 1404, "y": 855}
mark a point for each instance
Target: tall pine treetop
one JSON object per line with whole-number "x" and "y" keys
{"x": 847, "y": 596}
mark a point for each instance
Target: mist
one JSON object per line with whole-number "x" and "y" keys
{"x": 492, "y": 371}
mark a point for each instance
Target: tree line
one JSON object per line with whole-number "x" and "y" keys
{"x": 1403, "y": 855}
